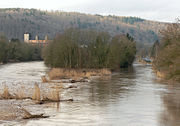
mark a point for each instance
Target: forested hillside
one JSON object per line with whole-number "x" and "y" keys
{"x": 15, "y": 22}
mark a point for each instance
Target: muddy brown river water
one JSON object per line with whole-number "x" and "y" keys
{"x": 134, "y": 97}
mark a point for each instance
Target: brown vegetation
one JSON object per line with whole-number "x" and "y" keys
{"x": 13, "y": 111}
{"x": 61, "y": 73}
{"x": 160, "y": 74}
{"x": 167, "y": 60}
{"x": 52, "y": 96}
{"x": 41, "y": 97}
{"x": 36, "y": 95}
{"x": 20, "y": 93}
{"x": 44, "y": 79}
{"x": 6, "y": 94}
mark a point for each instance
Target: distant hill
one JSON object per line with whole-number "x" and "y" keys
{"x": 14, "y": 22}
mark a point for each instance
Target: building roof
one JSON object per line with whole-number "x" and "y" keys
{"x": 38, "y": 41}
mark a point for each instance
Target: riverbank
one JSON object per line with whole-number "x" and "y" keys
{"x": 169, "y": 74}
{"x": 158, "y": 73}
{"x": 26, "y": 91}
{"x": 10, "y": 62}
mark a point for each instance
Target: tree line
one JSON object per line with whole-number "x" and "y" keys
{"x": 167, "y": 52}
{"x": 90, "y": 49}
{"x": 16, "y": 51}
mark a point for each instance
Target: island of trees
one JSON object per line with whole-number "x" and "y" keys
{"x": 75, "y": 49}
{"x": 90, "y": 49}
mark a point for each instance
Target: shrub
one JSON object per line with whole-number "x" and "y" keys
{"x": 168, "y": 57}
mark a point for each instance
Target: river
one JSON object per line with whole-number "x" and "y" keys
{"x": 133, "y": 97}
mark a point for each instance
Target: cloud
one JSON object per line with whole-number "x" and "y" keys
{"x": 161, "y": 10}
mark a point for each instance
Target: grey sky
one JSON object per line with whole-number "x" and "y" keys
{"x": 160, "y": 10}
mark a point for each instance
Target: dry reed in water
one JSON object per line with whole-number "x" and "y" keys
{"x": 44, "y": 79}
{"x": 20, "y": 93}
{"x": 59, "y": 73}
{"x": 36, "y": 94}
{"x": 54, "y": 95}
{"x": 6, "y": 94}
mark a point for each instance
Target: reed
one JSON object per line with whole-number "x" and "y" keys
{"x": 36, "y": 94}
{"x": 6, "y": 94}
{"x": 44, "y": 79}
{"x": 60, "y": 73}
{"x": 20, "y": 93}
{"x": 53, "y": 95}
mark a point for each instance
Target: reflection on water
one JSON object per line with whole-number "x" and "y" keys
{"x": 131, "y": 97}
{"x": 171, "y": 115}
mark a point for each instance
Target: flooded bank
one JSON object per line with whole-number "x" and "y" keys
{"x": 131, "y": 97}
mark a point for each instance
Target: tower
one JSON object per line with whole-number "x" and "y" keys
{"x": 37, "y": 38}
{"x": 26, "y": 37}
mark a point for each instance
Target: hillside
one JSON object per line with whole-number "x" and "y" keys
{"x": 15, "y": 22}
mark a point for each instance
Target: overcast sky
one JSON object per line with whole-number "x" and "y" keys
{"x": 159, "y": 10}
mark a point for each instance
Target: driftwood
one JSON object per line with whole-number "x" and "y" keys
{"x": 35, "y": 116}
{"x": 47, "y": 100}
{"x": 44, "y": 80}
{"x": 71, "y": 86}
{"x": 81, "y": 80}
{"x": 15, "y": 96}
{"x": 65, "y": 100}
{"x": 28, "y": 115}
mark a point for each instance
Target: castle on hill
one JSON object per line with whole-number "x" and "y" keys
{"x": 36, "y": 41}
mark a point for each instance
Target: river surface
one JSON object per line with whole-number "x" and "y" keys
{"x": 133, "y": 97}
